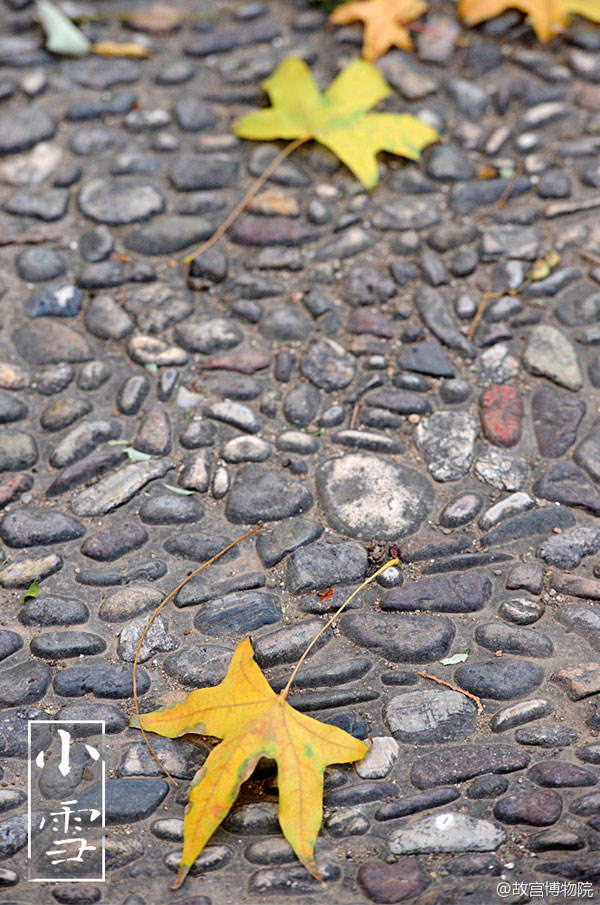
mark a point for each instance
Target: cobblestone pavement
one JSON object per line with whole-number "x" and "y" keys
{"x": 314, "y": 373}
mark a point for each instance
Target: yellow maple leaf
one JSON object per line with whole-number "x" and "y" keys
{"x": 337, "y": 118}
{"x": 253, "y": 722}
{"x": 548, "y": 17}
{"x": 384, "y": 22}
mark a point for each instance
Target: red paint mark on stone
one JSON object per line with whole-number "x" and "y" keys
{"x": 502, "y": 415}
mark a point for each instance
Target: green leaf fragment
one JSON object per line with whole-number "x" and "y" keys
{"x": 32, "y": 591}
{"x": 62, "y": 36}
{"x": 135, "y": 455}
{"x": 152, "y": 367}
{"x": 180, "y": 490}
{"x": 455, "y": 658}
{"x": 118, "y": 442}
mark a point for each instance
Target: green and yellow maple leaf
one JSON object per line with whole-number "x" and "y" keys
{"x": 547, "y": 17}
{"x": 253, "y": 722}
{"x": 337, "y": 118}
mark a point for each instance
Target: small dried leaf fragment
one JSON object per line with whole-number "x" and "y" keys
{"x": 115, "y": 49}
{"x": 253, "y": 722}
{"x": 337, "y": 118}
{"x": 384, "y": 22}
{"x": 548, "y": 17}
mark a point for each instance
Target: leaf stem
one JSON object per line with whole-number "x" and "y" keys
{"x": 153, "y": 617}
{"x": 467, "y": 694}
{"x": 387, "y": 565}
{"x": 241, "y": 205}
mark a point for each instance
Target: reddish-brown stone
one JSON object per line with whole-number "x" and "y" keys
{"x": 502, "y": 415}
{"x": 242, "y": 362}
{"x": 388, "y": 883}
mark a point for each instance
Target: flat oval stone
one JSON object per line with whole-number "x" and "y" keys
{"x": 461, "y": 510}
{"x": 535, "y": 808}
{"x": 11, "y": 409}
{"x": 423, "y": 717}
{"x": 383, "y": 882}
{"x": 169, "y": 509}
{"x": 24, "y": 684}
{"x": 32, "y": 526}
{"x": 19, "y": 573}
{"x": 559, "y": 774}
{"x": 406, "y": 638}
{"x": 79, "y": 712}
{"x": 116, "y": 202}
{"x": 556, "y": 417}
{"x": 441, "y": 594}
{"x": 548, "y": 736}
{"x": 261, "y": 493}
{"x": 518, "y": 714}
{"x": 9, "y": 643}
{"x": 18, "y": 450}
{"x": 199, "y": 547}
{"x": 500, "y": 679}
{"x": 116, "y": 489}
{"x": 521, "y": 610}
{"x": 63, "y": 412}
{"x": 549, "y": 353}
{"x": 111, "y": 543}
{"x": 496, "y": 636}
{"x": 284, "y": 645}
{"x": 412, "y": 804}
{"x": 199, "y": 665}
{"x": 366, "y": 496}
{"x": 126, "y": 800}
{"x": 129, "y": 602}
{"x": 49, "y": 342}
{"x": 21, "y": 129}
{"x": 449, "y": 831}
{"x": 103, "y": 681}
{"x": 238, "y": 613}
{"x": 456, "y": 763}
{"x": 14, "y": 741}
{"x": 502, "y": 415}
{"x": 56, "y": 645}
{"x": 48, "y": 609}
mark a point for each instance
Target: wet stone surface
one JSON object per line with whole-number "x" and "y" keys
{"x": 313, "y": 370}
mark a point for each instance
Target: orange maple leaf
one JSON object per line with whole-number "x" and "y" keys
{"x": 253, "y": 722}
{"x": 384, "y": 22}
{"x": 547, "y": 17}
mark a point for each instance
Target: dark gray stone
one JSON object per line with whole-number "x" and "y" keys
{"x": 126, "y": 800}
{"x": 24, "y": 684}
{"x": 408, "y": 638}
{"x": 456, "y": 763}
{"x": 500, "y": 679}
{"x": 324, "y": 564}
{"x": 32, "y": 526}
{"x": 238, "y": 614}
{"x": 454, "y": 594}
{"x": 259, "y": 493}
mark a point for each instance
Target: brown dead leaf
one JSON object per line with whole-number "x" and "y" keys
{"x": 548, "y": 17}
{"x": 384, "y": 22}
